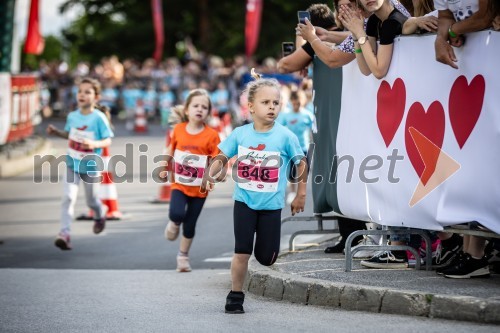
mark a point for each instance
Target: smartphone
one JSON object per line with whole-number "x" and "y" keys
{"x": 287, "y": 48}
{"x": 302, "y": 14}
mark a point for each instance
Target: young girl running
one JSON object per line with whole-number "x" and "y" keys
{"x": 264, "y": 149}
{"x": 192, "y": 144}
{"x": 88, "y": 130}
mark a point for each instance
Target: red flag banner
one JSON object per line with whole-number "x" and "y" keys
{"x": 34, "y": 40}
{"x": 156, "y": 8}
{"x": 252, "y": 26}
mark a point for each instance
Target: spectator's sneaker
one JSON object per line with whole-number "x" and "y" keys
{"x": 183, "y": 264}
{"x": 453, "y": 262}
{"x": 494, "y": 261}
{"x": 337, "y": 248}
{"x": 388, "y": 260}
{"x": 367, "y": 240}
{"x": 467, "y": 267}
{"x": 63, "y": 242}
{"x": 172, "y": 231}
{"x": 99, "y": 225}
{"x": 445, "y": 254}
{"x": 434, "y": 248}
{"x": 234, "y": 302}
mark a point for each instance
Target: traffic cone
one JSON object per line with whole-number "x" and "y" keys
{"x": 141, "y": 122}
{"x": 164, "y": 194}
{"x": 107, "y": 193}
{"x": 227, "y": 126}
{"x": 165, "y": 189}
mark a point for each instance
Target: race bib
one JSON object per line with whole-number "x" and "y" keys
{"x": 76, "y": 138}
{"x": 258, "y": 170}
{"x": 189, "y": 168}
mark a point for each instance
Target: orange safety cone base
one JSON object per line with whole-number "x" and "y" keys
{"x": 164, "y": 194}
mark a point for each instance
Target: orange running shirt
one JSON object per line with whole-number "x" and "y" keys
{"x": 183, "y": 144}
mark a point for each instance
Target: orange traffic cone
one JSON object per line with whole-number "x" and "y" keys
{"x": 164, "y": 194}
{"x": 141, "y": 122}
{"x": 107, "y": 192}
{"x": 226, "y": 127}
{"x": 165, "y": 189}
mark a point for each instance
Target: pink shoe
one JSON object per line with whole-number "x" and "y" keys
{"x": 183, "y": 264}
{"x": 63, "y": 241}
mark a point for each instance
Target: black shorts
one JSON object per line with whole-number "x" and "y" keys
{"x": 265, "y": 224}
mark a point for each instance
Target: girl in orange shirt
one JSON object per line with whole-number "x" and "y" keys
{"x": 191, "y": 145}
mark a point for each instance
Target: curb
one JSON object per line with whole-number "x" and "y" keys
{"x": 267, "y": 282}
{"x": 15, "y": 166}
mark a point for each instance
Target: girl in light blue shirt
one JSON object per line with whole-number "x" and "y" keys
{"x": 264, "y": 149}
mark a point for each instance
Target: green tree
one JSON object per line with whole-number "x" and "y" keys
{"x": 125, "y": 28}
{"x": 52, "y": 51}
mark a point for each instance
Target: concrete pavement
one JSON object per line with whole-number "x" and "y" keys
{"x": 312, "y": 277}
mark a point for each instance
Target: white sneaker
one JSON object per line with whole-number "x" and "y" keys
{"x": 183, "y": 264}
{"x": 367, "y": 240}
{"x": 289, "y": 198}
{"x": 172, "y": 231}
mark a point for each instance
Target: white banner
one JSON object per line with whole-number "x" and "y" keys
{"x": 425, "y": 140}
{"x": 5, "y": 106}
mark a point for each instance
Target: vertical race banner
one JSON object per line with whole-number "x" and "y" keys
{"x": 420, "y": 147}
{"x": 34, "y": 40}
{"x": 5, "y": 106}
{"x": 252, "y": 26}
{"x": 157, "y": 11}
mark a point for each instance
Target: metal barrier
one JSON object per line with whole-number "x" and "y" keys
{"x": 386, "y": 232}
{"x": 320, "y": 230}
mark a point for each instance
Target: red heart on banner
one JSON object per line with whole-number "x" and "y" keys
{"x": 390, "y": 108}
{"x": 465, "y": 105}
{"x": 431, "y": 125}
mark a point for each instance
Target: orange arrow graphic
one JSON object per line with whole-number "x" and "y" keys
{"x": 439, "y": 166}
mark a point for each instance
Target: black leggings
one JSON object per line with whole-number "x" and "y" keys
{"x": 185, "y": 210}
{"x": 266, "y": 224}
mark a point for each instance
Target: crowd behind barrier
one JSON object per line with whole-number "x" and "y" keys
{"x": 159, "y": 86}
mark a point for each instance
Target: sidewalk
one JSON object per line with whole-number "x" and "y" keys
{"x": 313, "y": 277}
{"x": 17, "y": 158}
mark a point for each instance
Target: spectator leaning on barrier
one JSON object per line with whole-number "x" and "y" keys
{"x": 384, "y": 25}
{"x": 321, "y": 15}
{"x": 344, "y": 52}
{"x": 457, "y": 18}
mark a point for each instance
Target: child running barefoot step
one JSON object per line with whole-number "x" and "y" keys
{"x": 191, "y": 145}
{"x": 264, "y": 150}
{"x": 88, "y": 130}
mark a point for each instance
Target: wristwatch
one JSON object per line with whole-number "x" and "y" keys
{"x": 362, "y": 40}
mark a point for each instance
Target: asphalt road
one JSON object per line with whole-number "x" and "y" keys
{"x": 124, "y": 279}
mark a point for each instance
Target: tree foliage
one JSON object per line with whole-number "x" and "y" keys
{"x": 125, "y": 27}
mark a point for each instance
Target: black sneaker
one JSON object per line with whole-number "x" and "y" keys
{"x": 234, "y": 302}
{"x": 99, "y": 225}
{"x": 448, "y": 251}
{"x": 454, "y": 261}
{"x": 387, "y": 259}
{"x": 468, "y": 267}
{"x": 337, "y": 248}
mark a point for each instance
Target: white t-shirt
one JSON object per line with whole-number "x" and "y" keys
{"x": 461, "y": 9}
